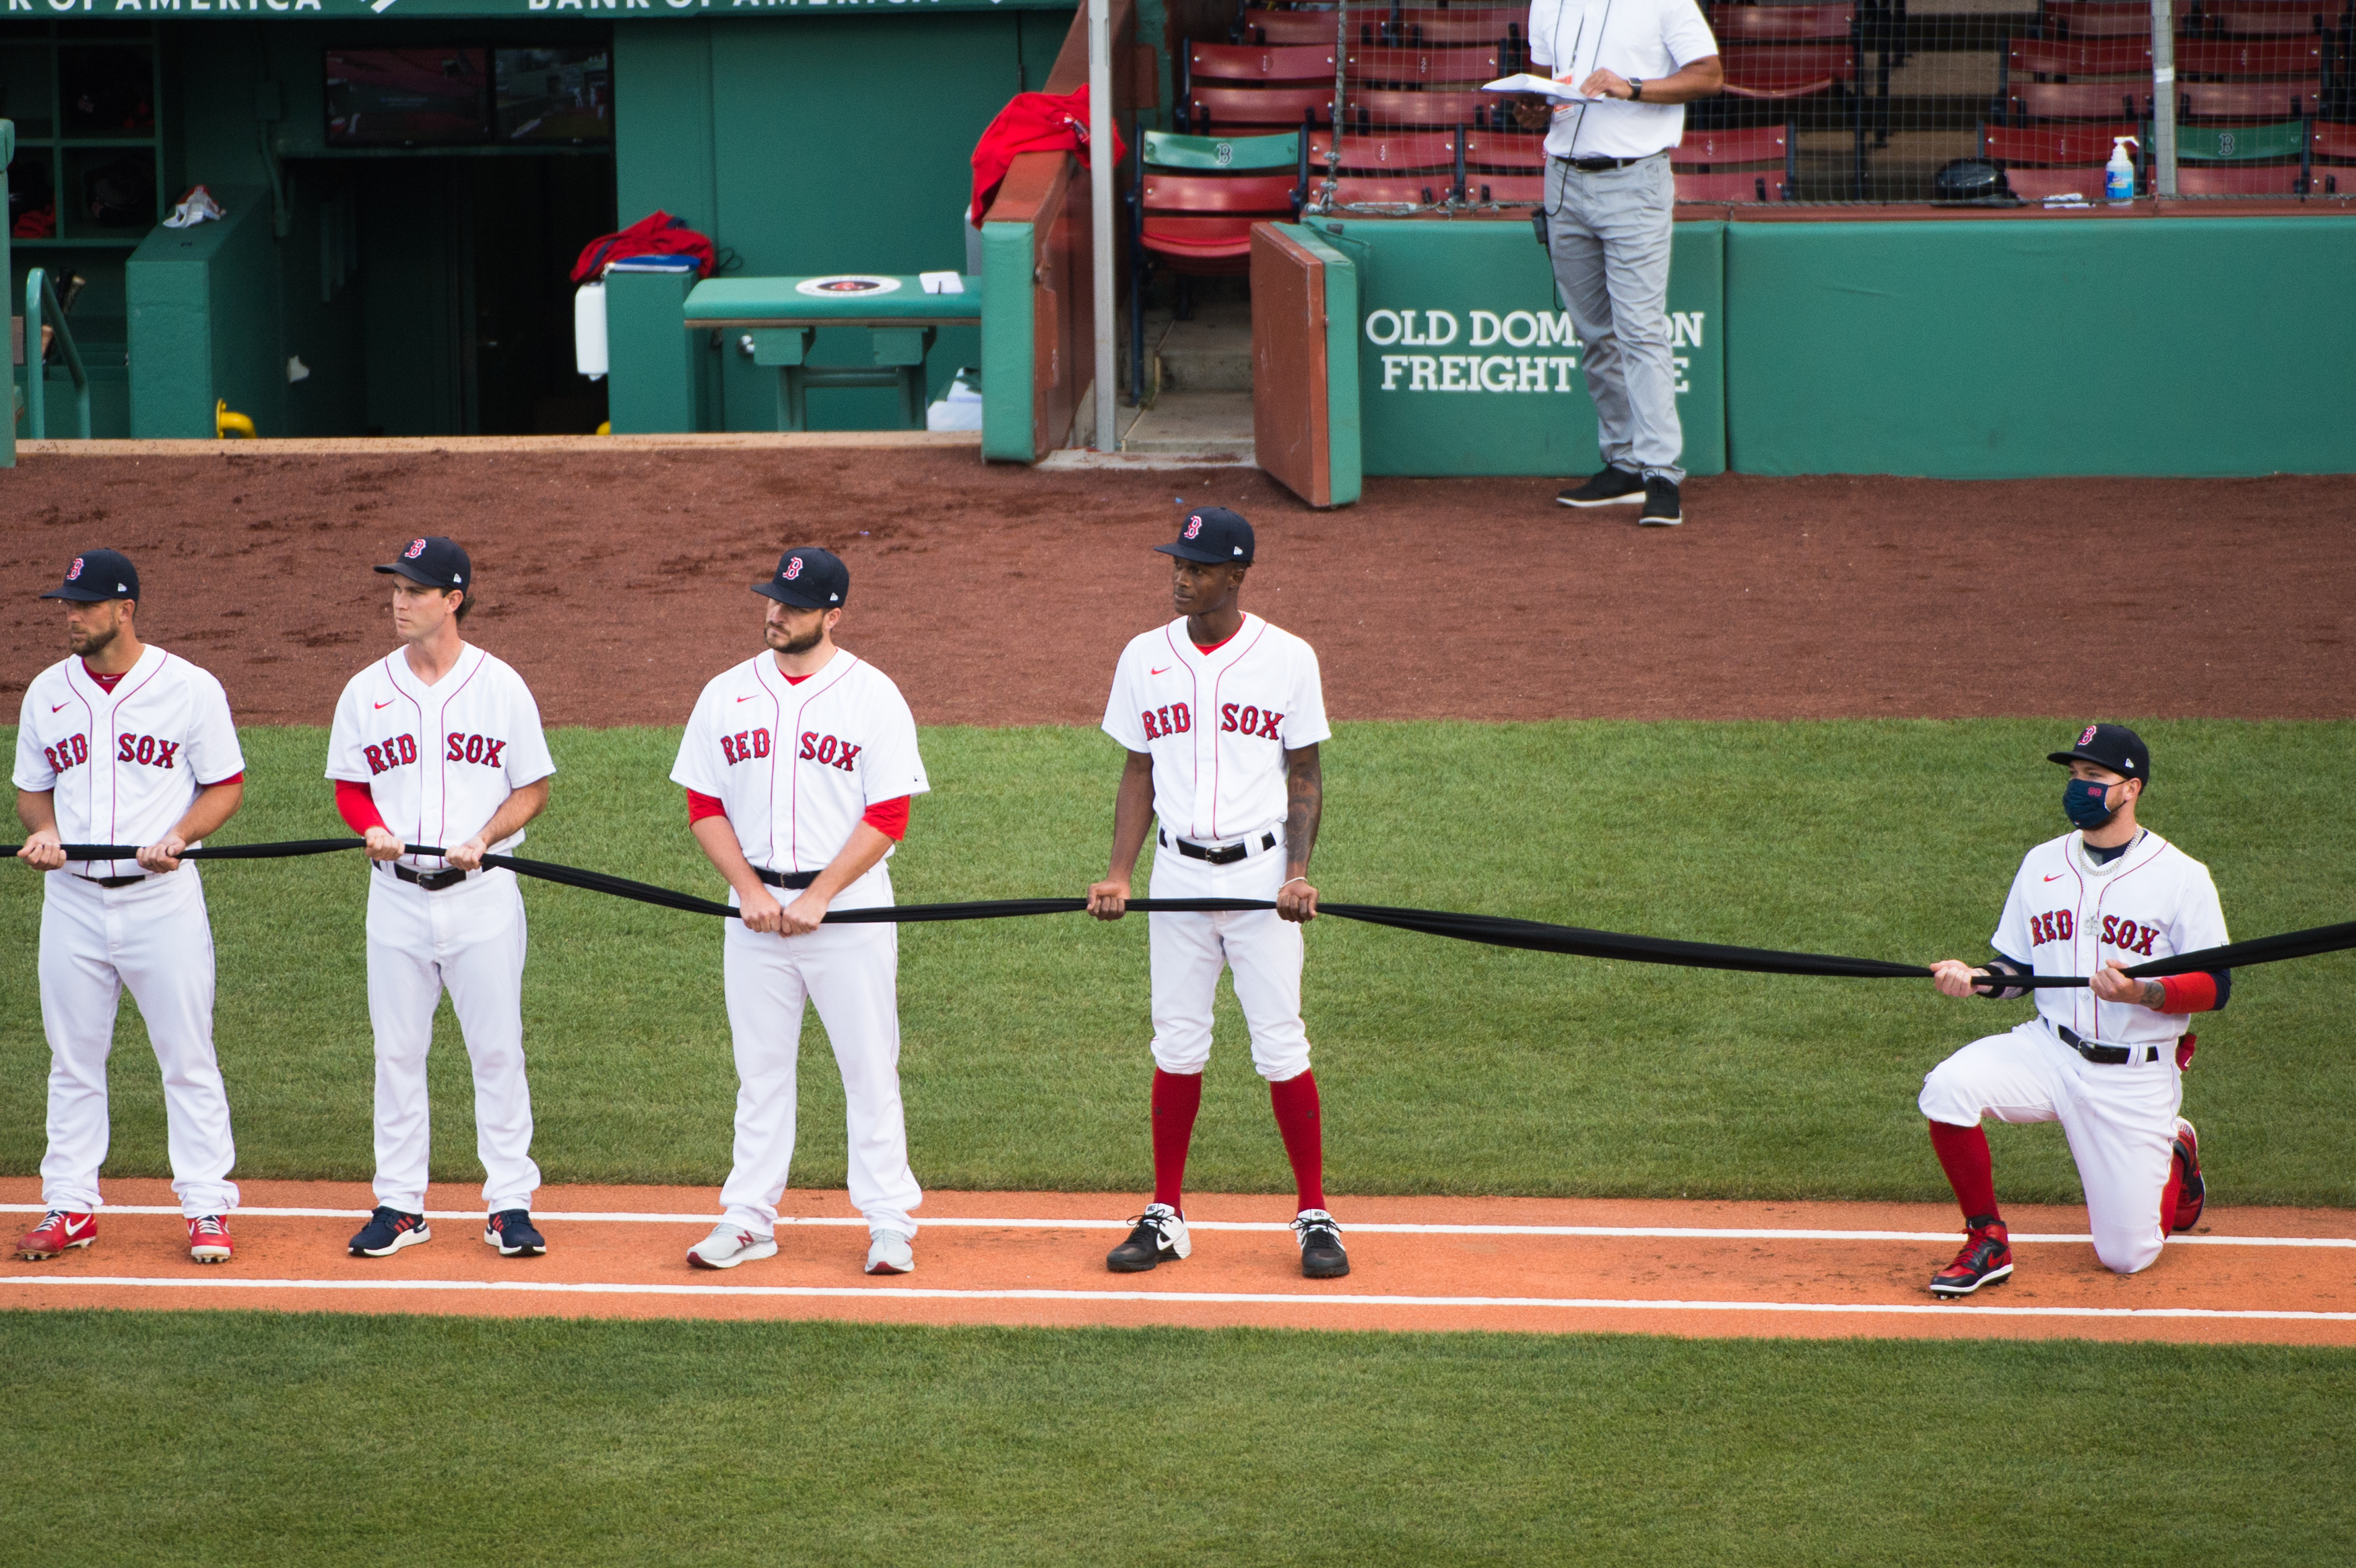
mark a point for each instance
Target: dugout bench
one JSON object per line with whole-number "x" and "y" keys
{"x": 775, "y": 319}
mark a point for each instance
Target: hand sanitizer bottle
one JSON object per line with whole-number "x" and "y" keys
{"x": 2119, "y": 174}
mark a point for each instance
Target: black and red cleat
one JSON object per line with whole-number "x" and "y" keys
{"x": 2192, "y": 1193}
{"x": 1985, "y": 1259}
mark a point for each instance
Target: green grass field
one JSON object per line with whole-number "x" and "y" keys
{"x": 325, "y": 1441}
{"x": 1447, "y": 1067}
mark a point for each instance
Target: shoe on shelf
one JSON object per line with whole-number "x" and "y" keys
{"x": 1612, "y": 487}
{"x": 1985, "y": 1259}
{"x": 388, "y": 1231}
{"x": 513, "y": 1233}
{"x": 2192, "y": 1195}
{"x": 729, "y": 1245}
{"x": 1160, "y": 1237}
{"x": 209, "y": 1239}
{"x": 889, "y": 1254}
{"x": 1662, "y": 507}
{"x": 57, "y": 1233}
{"x": 1322, "y": 1254}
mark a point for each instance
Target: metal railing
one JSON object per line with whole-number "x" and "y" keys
{"x": 40, "y": 299}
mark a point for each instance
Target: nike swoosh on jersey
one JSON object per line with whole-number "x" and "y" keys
{"x": 748, "y": 697}
{"x": 2057, "y": 876}
{"x": 1163, "y": 670}
{"x": 55, "y": 706}
{"x": 388, "y": 702}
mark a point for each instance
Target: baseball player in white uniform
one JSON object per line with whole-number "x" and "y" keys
{"x": 125, "y": 744}
{"x": 1222, "y": 716}
{"x": 439, "y": 744}
{"x": 798, "y": 766}
{"x": 2105, "y": 1061}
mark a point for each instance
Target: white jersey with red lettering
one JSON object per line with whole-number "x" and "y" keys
{"x": 124, "y": 766}
{"x": 2067, "y": 914}
{"x": 796, "y": 764}
{"x": 440, "y": 759}
{"x": 1218, "y": 724}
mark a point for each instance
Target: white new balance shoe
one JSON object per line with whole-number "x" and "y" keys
{"x": 729, "y": 1245}
{"x": 890, "y": 1253}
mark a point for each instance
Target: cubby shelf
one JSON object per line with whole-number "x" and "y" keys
{"x": 36, "y": 70}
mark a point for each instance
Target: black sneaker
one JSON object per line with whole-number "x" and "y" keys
{"x": 1610, "y": 487}
{"x": 1322, "y": 1256}
{"x": 1160, "y": 1237}
{"x": 1661, "y": 505}
{"x": 511, "y": 1230}
{"x": 388, "y": 1231}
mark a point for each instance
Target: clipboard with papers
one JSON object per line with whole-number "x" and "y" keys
{"x": 1523, "y": 81}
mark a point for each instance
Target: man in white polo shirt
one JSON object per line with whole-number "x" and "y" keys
{"x": 1608, "y": 199}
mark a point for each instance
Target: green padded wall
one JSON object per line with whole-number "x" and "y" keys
{"x": 1456, "y": 294}
{"x": 2006, "y": 349}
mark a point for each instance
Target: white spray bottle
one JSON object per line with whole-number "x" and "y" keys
{"x": 2119, "y": 174}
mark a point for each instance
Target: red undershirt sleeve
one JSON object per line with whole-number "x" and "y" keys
{"x": 889, "y": 818}
{"x": 236, "y": 777}
{"x": 356, "y": 803}
{"x": 2195, "y": 992}
{"x": 700, "y": 806}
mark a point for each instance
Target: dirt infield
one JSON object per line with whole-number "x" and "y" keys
{"x": 996, "y": 594}
{"x": 1813, "y": 1269}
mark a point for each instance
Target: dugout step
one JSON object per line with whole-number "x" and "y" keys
{"x": 1193, "y": 424}
{"x": 1210, "y": 354}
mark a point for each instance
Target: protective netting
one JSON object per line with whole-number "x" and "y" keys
{"x": 1979, "y": 101}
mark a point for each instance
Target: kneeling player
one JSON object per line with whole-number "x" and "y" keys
{"x": 2105, "y": 1061}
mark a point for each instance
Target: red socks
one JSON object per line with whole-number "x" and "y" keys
{"x": 1295, "y": 1104}
{"x": 1963, "y": 1154}
{"x": 1177, "y": 1098}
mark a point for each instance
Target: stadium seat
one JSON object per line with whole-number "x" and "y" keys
{"x": 2271, "y": 18}
{"x": 1766, "y": 185}
{"x": 1417, "y": 26}
{"x": 1426, "y": 66}
{"x": 2331, "y": 143}
{"x": 2070, "y": 59}
{"x": 2037, "y": 184}
{"x": 1428, "y": 190}
{"x": 2094, "y": 19}
{"x": 1193, "y": 201}
{"x": 1257, "y": 27}
{"x": 1382, "y": 107}
{"x": 1214, "y": 107}
{"x": 2228, "y": 179}
{"x": 2240, "y": 59}
{"x": 1507, "y": 189}
{"x": 2285, "y": 139}
{"x": 2030, "y": 100}
{"x": 1788, "y": 70}
{"x": 1505, "y": 152}
{"x": 1405, "y": 153}
{"x": 1783, "y": 24}
{"x": 1730, "y": 165}
{"x": 2248, "y": 100}
{"x": 2039, "y": 161}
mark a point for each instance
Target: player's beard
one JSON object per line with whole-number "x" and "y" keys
{"x": 87, "y": 644}
{"x": 781, "y": 643}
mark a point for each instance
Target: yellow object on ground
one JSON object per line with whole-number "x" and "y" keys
{"x": 225, "y": 425}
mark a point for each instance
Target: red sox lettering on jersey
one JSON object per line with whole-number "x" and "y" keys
{"x": 796, "y": 764}
{"x": 2068, "y": 916}
{"x": 1218, "y": 724}
{"x": 124, "y": 765}
{"x": 441, "y": 759}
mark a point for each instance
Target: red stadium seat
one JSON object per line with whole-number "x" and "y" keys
{"x": 1505, "y": 152}
{"x": 2235, "y": 60}
{"x": 1507, "y": 189}
{"x": 2240, "y": 180}
{"x": 1704, "y": 149}
{"x": 1396, "y": 191}
{"x": 1260, "y": 65}
{"x": 2248, "y": 100}
{"x": 1765, "y": 185}
{"x": 2081, "y": 146}
{"x": 1288, "y": 27}
{"x": 2079, "y": 100}
{"x": 1384, "y": 107}
{"x": 2272, "y": 18}
{"x": 1419, "y": 25}
{"x": 1386, "y": 154}
{"x": 1787, "y": 71}
{"x": 1218, "y": 107}
{"x": 1425, "y": 67}
{"x": 2332, "y": 143}
{"x": 2094, "y": 19}
{"x": 2037, "y": 184}
{"x": 2077, "y": 58}
{"x": 1783, "y": 24}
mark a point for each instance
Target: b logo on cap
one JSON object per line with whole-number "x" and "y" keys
{"x": 1193, "y": 528}
{"x": 2088, "y": 738}
{"x": 793, "y": 568}
{"x": 74, "y": 571}
{"x": 416, "y": 548}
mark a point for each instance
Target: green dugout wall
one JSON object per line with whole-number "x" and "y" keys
{"x": 2003, "y": 349}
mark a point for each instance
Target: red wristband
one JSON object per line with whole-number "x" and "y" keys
{"x": 2194, "y": 992}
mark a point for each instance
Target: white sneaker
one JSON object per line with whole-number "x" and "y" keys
{"x": 890, "y": 1253}
{"x": 729, "y": 1245}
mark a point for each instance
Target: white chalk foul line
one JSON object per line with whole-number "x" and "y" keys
{"x": 1205, "y": 1298}
{"x": 1666, "y": 1232}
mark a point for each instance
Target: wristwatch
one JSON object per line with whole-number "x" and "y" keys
{"x": 1635, "y": 90}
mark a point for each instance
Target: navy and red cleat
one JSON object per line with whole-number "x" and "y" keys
{"x": 57, "y": 1233}
{"x": 1985, "y": 1259}
{"x": 2192, "y": 1193}
{"x": 388, "y": 1231}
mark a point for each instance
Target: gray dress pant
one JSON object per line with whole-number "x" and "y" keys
{"x": 1608, "y": 233}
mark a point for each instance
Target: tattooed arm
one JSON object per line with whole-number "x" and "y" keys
{"x": 1304, "y": 790}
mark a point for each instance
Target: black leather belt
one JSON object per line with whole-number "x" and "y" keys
{"x": 432, "y": 881}
{"x": 2103, "y": 1056}
{"x": 1225, "y": 855}
{"x": 785, "y": 879}
{"x": 110, "y": 881}
{"x": 1598, "y": 165}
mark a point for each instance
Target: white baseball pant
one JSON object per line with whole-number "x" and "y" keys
{"x": 468, "y": 940}
{"x": 2120, "y": 1120}
{"x": 852, "y": 974}
{"x": 1188, "y": 952}
{"x": 157, "y": 939}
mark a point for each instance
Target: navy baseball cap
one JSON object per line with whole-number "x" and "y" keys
{"x": 809, "y": 578}
{"x": 97, "y": 575}
{"x": 435, "y": 561}
{"x": 1212, "y": 535}
{"x": 2113, "y": 747}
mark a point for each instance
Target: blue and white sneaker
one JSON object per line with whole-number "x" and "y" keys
{"x": 511, "y": 1230}
{"x": 388, "y": 1231}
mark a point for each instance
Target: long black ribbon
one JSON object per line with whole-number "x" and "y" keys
{"x": 1491, "y": 930}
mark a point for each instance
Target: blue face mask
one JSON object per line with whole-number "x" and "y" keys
{"x": 2081, "y": 800}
